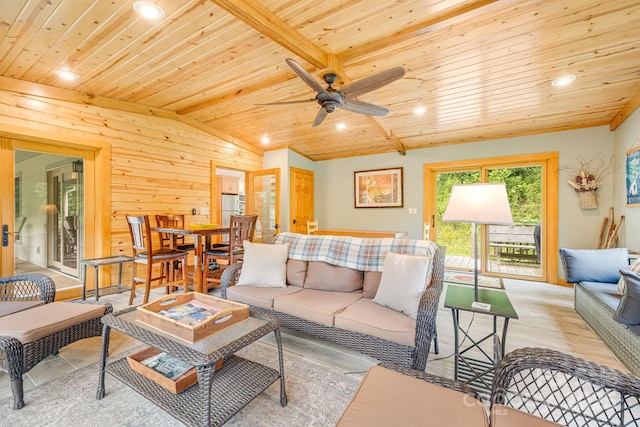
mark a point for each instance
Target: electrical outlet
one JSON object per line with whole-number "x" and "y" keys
{"x": 413, "y": 211}
{"x": 194, "y": 211}
{"x": 204, "y": 211}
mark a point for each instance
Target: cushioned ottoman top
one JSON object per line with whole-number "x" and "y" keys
{"x": 389, "y": 398}
{"x": 37, "y": 322}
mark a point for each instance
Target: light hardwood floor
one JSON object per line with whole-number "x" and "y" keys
{"x": 546, "y": 319}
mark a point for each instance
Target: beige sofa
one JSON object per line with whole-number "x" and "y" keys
{"x": 332, "y": 288}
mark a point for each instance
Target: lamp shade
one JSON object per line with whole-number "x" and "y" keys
{"x": 483, "y": 203}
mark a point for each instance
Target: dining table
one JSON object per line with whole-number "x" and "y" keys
{"x": 201, "y": 238}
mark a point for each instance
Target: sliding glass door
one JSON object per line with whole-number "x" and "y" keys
{"x": 516, "y": 251}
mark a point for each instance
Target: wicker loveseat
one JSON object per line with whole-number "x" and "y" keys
{"x": 33, "y": 326}
{"x": 595, "y": 275}
{"x": 348, "y": 317}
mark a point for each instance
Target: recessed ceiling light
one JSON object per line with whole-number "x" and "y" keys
{"x": 265, "y": 139}
{"x": 563, "y": 80}
{"x": 341, "y": 125}
{"x": 67, "y": 75}
{"x": 148, "y": 9}
{"x": 419, "y": 110}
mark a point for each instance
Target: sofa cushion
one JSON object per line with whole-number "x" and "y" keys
{"x": 371, "y": 283}
{"x": 264, "y": 265}
{"x": 389, "y": 398}
{"x": 604, "y": 292}
{"x": 594, "y": 265}
{"x": 326, "y": 277}
{"x": 314, "y": 305}
{"x": 404, "y": 279}
{"x": 367, "y": 317}
{"x": 635, "y": 266}
{"x": 296, "y": 272}
{"x": 628, "y": 312}
{"x": 30, "y": 325}
{"x": 259, "y": 296}
{"x": 505, "y": 416}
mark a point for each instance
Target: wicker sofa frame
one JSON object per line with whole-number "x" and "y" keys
{"x": 619, "y": 338}
{"x": 380, "y": 349}
{"x": 566, "y": 389}
{"x": 15, "y": 358}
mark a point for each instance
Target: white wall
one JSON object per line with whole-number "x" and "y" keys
{"x": 577, "y": 228}
{"x": 627, "y": 136}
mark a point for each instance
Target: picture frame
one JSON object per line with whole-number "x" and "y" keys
{"x": 379, "y": 188}
{"x": 632, "y": 174}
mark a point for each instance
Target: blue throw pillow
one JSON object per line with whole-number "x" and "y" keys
{"x": 628, "y": 311}
{"x": 594, "y": 265}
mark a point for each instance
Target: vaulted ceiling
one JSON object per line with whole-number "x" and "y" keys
{"x": 482, "y": 68}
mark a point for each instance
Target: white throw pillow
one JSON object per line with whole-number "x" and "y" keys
{"x": 622, "y": 283}
{"x": 404, "y": 278}
{"x": 264, "y": 265}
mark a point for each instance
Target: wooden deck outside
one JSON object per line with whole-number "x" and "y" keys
{"x": 463, "y": 263}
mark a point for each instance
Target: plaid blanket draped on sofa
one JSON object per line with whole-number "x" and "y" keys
{"x": 352, "y": 252}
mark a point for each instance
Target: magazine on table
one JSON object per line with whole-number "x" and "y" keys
{"x": 167, "y": 365}
{"x": 191, "y": 313}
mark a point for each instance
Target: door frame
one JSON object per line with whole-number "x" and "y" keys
{"x": 96, "y": 157}
{"x": 549, "y": 163}
{"x": 250, "y": 191}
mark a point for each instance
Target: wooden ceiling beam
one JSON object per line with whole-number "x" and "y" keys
{"x": 265, "y": 22}
{"x": 262, "y": 20}
{"x": 50, "y": 92}
{"x": 413, "y": 30}
{"x": 625, "y": 112}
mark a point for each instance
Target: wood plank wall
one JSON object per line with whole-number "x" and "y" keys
{"x": 158, "y": 165}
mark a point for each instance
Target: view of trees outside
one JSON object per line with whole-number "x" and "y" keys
{"x": 524, "y": 188}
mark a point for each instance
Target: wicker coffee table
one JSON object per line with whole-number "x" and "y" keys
{"x": 219, "y": 394}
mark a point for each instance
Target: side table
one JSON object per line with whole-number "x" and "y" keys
{"x": 474, "y": 364}
{"x": 99, "y": 262}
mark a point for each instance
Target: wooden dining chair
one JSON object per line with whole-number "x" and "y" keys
{"x": 145, "y": 254}
{"x": 312, "y": 227}
{"x": 241, "y": 228}
{"x": 171, "y": 240}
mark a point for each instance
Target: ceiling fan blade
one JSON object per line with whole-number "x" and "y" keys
{"x": 372, "y": 83}
{"x": 306, "y": 77}
{"x": 364, "y": 108}
{"x": 322, "y": 113}
{"x": 303, "y": 101}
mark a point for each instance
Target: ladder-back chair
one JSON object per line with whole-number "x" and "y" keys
{"x": 145, "y": 254}
{"x": 312, "y": 227}
{"x": 241, "y": 228}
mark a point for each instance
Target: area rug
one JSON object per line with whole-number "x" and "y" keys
{"x": 461, "y": 278}
{"x": 317, "y": 396}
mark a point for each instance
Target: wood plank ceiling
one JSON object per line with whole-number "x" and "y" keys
{"x": 483, "y": 68}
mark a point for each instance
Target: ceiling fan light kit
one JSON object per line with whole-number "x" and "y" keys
{"x": 330, "y": 98}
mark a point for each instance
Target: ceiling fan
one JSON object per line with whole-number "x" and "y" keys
{"x": 331, "y": 98}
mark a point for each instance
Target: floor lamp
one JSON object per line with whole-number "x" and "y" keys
{"x": 484, "y": 203}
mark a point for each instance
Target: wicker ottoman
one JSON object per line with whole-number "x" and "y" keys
{"x": 28, "y": 336}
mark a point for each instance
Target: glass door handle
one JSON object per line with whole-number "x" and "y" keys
{"x": 5, "y": 235}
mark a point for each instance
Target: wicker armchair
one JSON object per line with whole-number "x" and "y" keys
{"x": 17, "y": 358}
{"x": 565, "y": 389}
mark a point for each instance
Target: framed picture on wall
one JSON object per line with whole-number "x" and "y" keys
{"x": 633, "y": 177}
{"x": 379, "y": 188}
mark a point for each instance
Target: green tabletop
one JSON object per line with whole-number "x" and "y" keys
{"x": 461, "y": 297}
